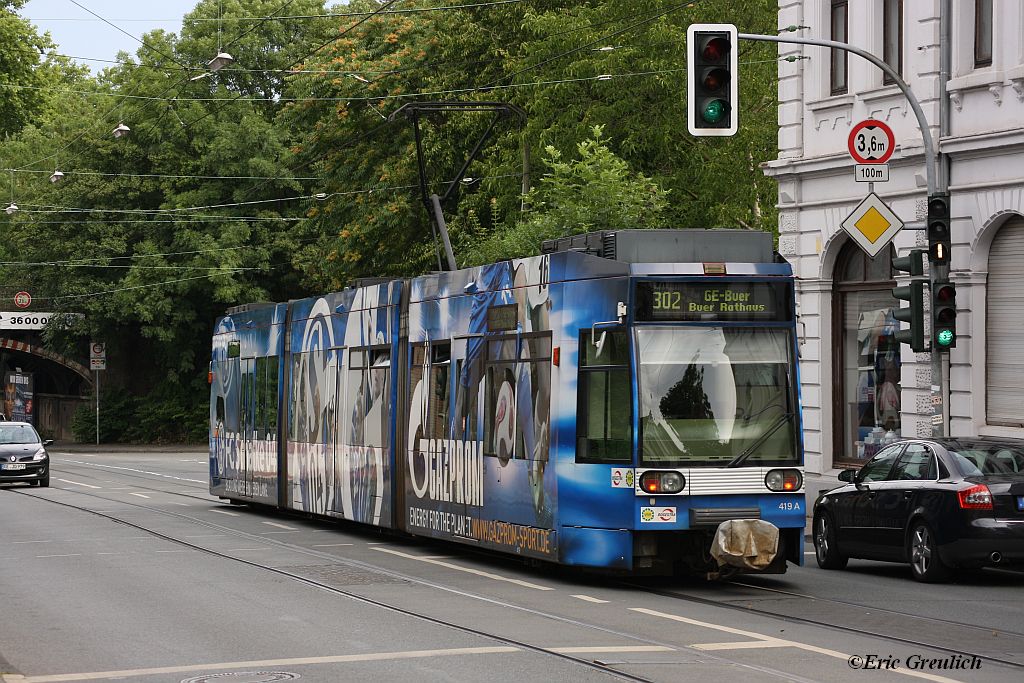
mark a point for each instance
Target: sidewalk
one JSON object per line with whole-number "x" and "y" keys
{"x": 815, "y": 484}
{"x": 72, "y": 447}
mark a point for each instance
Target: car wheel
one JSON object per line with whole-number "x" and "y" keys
{"x": 826, "y": 551}
{"x": 44, "y": 482}
{"x": 925, "y": 563}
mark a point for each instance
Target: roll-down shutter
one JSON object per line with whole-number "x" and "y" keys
{"x": 1004, "y": 372}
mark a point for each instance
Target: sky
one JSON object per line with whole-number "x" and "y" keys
{"x": 80, "y": 34}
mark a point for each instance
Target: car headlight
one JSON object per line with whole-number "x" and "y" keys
{"x": 40, "y": 454}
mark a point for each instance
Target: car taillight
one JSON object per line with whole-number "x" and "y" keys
{"x": 977, "y": 497}
{"x": 784, "y": 480}
{"x": 662, "y": 482}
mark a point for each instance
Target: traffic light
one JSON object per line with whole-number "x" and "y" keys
{"x": 939, "y": 239}
{"x": 712, "y": 93}
{"x": 944, "y": 315}
{"x": 914, "y": 293}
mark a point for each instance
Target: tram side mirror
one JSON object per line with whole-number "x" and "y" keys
{"x": 848, "y": 476}
{"x": 599, "y": 342}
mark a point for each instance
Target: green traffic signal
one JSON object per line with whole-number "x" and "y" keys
{"x": 945, "y": 338}
{"x": 714, "y": 111}
{"x": 944, "y": 315}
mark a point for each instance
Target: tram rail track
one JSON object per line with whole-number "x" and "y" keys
{"x": 855, "y": 611}
{"x": 366, "y": 566}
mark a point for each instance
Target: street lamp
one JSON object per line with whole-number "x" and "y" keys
{"x": 220, "y": 61}
{"x": 56, "y": 177}
{"x": 11, "y": 208}
{"x": 121, "y": 130}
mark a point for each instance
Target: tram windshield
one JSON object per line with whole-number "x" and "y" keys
{"x": 716, "y": 396}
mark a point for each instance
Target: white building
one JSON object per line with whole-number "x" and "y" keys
{"x": 857, "y": 383}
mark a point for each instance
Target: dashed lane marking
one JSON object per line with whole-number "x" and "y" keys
{"x": 281, "y": 526}
{"x": 132, "y": 469}
{"x": 761, "y": 640}
{"x": 68, "y": 555}
{"x": 610, "y": 648}
{"x": 330, "y": 545}
{"x": 140, "y": 495}
{"x": 78, "y": 483}
{"x": 468, "y": 570}
{"x": 590, "y": 599}
{"x": 334, "y": 659}
{"x": 225, "y": 512}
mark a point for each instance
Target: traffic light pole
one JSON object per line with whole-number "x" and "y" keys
{"x": 936, "y": 183}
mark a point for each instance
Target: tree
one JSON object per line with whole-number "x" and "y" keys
{"x": 597, "y": 191}
{"x": 21, "y": 75}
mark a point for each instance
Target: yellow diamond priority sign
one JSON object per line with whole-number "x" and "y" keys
{"x": 872, "y": 225}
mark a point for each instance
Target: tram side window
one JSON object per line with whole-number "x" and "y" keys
{"x": 517, "y": 394}
{"x": 297, "y": 428}
{"x": 272, "y": 398}
{"x": 260, "y": 423}
{"x": 466, "y": 401}
{"x": 438, "y": 403}
{"x": 604, "y": 431}
{"x": 369, "y": 396}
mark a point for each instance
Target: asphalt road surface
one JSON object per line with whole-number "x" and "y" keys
{"x": 126, "y": 569}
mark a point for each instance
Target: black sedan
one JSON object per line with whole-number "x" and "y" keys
{"x": 938, "y": 504}
{"x": 23, "y": 455}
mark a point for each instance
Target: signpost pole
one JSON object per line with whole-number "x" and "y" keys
{"x": 97, "y": 407}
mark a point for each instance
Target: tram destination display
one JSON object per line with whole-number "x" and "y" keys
{"x": 703, "y": 301}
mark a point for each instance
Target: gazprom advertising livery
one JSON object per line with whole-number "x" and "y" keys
{"x": 626, "y": 400}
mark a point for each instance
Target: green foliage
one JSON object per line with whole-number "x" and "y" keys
{"x": 117, "y": 418}
{"x": 597, "y": 191}
{"x": 152, "y": 261}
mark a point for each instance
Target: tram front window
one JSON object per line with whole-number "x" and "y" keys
{"x": 716, "y": 396}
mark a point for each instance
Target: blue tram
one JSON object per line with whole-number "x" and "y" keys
{"x": 627, "y": 401}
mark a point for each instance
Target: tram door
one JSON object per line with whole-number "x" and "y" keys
{"x": 248, "y": 427}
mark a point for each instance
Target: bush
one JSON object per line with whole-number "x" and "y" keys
{"x": 170, "y": 414}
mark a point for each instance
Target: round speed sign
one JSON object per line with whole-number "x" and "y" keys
{"x": 22, "y": 299}
{"x": 871, "y": 142}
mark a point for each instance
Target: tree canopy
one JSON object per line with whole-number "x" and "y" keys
{"x": 295, "y": 169}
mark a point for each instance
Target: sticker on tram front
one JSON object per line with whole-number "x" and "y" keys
{"x": 622, "y": 478}
{"x": 658, "y": 515}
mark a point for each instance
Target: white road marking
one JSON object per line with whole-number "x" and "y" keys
{"x": 334, "y": 659}
{"x": 330, "y": 545}
{"x": 224, "y": 512}
{"x": 742, "y": 645}
{"x": 204, "y": 536}
{"x": 68, "y": 555}
{"x": 281, "y": 526}
{"x": 17, "y": 542}
{"x": 140, "y": 495}
{"x": 171, "y": 551}
{"x": 132, "y": 469}
{"x": 449, "y": 565}
{"x": 611, "y": 648}
{"x": 78, "y": 483}
{"x": 761, "y": 640}
{"x": 184, "y": 505}
{"x": 238, "y": 550}
{"x": 589, "y": 599}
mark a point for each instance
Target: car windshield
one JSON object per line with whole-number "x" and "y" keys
{"x": 716, "y": 396}
{"x": 989, "y": 459}
{"x": 18, "y": 434}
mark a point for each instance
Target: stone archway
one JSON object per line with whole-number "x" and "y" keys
{"x": 60, "y": 387}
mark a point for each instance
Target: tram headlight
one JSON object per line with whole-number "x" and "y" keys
{"x": 654, "y": 481}
{"x": 784, "y": 480}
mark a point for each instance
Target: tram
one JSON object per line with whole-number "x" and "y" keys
{"x": 626, "y": 401}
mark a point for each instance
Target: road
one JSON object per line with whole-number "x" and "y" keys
{"x": 126, "y": 569}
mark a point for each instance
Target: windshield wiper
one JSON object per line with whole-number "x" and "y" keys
{"x": 738, "y": 460}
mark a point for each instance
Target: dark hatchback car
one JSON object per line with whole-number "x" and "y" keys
{"x": 939, "y": 504}
{"x": 23, "y": 455}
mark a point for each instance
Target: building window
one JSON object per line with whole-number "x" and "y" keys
{"x": 866, "y": 397}
{"x": 892, "y": 37}
{"x": 838, "y": 24}
{"x": 982, "y": 33}
{"x": 1004, "y": 301}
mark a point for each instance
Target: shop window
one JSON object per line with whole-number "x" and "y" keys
{"x": 866, "y": 396}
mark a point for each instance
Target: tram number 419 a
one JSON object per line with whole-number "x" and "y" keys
{"x": 789, "y": 505}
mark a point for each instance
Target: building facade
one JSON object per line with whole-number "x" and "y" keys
{"x": 860, "y": 387}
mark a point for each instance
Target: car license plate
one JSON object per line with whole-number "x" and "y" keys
{"x": 1020, "y": 503}
{"x": 15, "y": 466}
